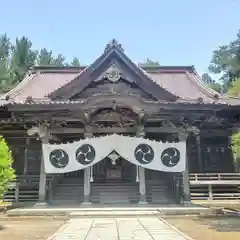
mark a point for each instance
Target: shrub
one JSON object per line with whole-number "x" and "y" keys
{"x": 7, "y": 173}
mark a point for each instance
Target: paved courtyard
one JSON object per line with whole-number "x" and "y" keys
{"x": 142, "y": 228}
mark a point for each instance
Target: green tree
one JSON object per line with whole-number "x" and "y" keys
{"x": 23, "y": 58}
{"x": 226, "y": 61}
{"x": 206, "y": 78}
{"x": 75, "y": 62}
{"x": 236, "y": 149}
{"x": 5, "y": 47}
{"x": 216, "y": 86}
{"x": 149, "y": 63}
{"x": 44, "y": 57}
{"x": 6, "y": 171}
{"x": 234, "y": 90}
{"x": 58, "y": 61}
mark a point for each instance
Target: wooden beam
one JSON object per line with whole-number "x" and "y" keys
{"x": 114, "y": 130}
{"x": 164, "y": 129}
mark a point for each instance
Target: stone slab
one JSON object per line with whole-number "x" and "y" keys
{"x": 108, "y": 212}
{"x": 136, "y": 228}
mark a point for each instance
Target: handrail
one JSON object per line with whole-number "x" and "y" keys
{"x": 28, "y": 179}
{"x": 25, "y": 188}
{"x": 214, "y": 176}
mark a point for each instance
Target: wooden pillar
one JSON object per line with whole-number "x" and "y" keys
{"x": 43, "y": 134}
{"x": 87, "y": 178}
{"x": 141, "y": 172}
{"x": 199, "y": 153}
{"x": 43, "y": 177}
{"x": 142, "y": 186}
{"x": 87, "y": 186}
{"x": 25, "y": 170}
{"x": 186, "y": 185}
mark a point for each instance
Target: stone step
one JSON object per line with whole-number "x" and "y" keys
{"x": 97, "y": 211}
{"x": 122, "y": 213}
{"x": 68, "y": 190}
{"x": 69, "y": 193}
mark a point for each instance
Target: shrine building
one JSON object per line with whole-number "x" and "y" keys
{"x": 115, "y": 133}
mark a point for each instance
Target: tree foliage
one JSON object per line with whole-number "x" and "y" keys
{"x": 149, "y": 63}
{"x": 44, "y": 57}
{"x": 5, "y": 47}
{"x": 75, "y": 62}
{"x": 23, "y": 57}
{"x": 18, "y": 57}
{"x": 206, "y": 78}
{"x": 236, "y": 148}
{"x": 234, "y": 90}
{"x": 216, "y": 86}
{"x": 226, "y": 61}
{"x": 6, "y": 171}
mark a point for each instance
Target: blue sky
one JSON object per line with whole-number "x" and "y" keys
{"x": 174, "y": 32}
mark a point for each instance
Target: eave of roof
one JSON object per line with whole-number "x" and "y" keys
{"x": 41, "y": 81}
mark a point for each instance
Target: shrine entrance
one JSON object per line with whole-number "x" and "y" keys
{"x": 114, "y": 181}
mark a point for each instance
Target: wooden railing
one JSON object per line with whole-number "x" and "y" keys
{"x": 204, "y": 177}
{"x": 204, "y": 186}
{"x": 215, "y": 186}
{"x": 25, "y": 188}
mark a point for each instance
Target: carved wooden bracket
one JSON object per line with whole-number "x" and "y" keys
{"x": 140, "y": 131}
{"x": 89, "y": 132}
{"x": 183, "y": 136}
{"x": 41, "y": 131}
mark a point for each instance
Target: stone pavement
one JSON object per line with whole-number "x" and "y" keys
{"x": 132, "y": 228}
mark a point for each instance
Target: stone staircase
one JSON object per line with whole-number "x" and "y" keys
{"x": 158, "y": 192}
{"x": 68, "y": 191}
{"x": 114, "y": 192}
{"x": 71, "y": 191}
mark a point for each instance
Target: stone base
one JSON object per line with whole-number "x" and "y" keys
{"x": 86, "y": 203}
{"x": 41, "y": 204}
{"x": 187, "y": 203}
{"x": 142, "y": 202}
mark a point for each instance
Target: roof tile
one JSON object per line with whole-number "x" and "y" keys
{"x": 180, "y": 82}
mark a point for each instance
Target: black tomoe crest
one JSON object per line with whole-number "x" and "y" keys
{"x": 59, "y": 158}
{"x": 170, "y": 157}
{"x": 85, "y": 154}
{"x": 144, "y": 153}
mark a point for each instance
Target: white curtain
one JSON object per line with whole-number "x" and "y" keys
{"x": 168, "y": 157}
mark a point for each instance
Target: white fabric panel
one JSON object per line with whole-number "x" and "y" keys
{"x": 168, "y": 157}
{"x": 62, "y": 150}
{"x": 154, "y": 156}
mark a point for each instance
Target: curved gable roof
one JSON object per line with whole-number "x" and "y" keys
{"x": 180, "y": 81}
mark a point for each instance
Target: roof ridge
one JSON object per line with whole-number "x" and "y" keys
{"x": 156, "y": 82}
{"x": 79, "y": 74}
{"x": 202, "y": 86}
{"x": 210, "y": 90}
{"x": 15, "y": 91}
